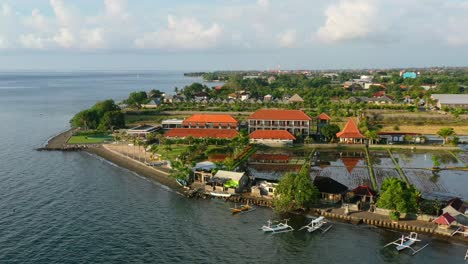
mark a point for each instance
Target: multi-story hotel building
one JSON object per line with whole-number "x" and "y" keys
{"x": 294, "y": 121}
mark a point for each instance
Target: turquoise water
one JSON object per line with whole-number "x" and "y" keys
{"x": 75, "y": 208}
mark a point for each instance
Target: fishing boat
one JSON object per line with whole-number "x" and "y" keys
{"x": 222, "y": 195}
{"x": 315, "y": 224}
{"x": 277, "y": 228}
{"x": 466, "y": 255}
{"x": 406, "y": 242}
{"x": 463, "y": 230}
{"x": 244, "y": 208}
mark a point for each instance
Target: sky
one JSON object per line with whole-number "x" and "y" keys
{"x": 231, "y": 34}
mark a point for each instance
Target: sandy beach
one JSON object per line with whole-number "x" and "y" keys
{"x": 161, "y": 175}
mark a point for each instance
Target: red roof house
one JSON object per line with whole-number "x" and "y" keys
{"x": 210, "y": 121}
{"x": 351, "y": 134}
{"x": 271, "y": 136}
{"x": 294, "y": 121}
{"x": 323, "y": 116}
{"x": 201, "y": 133}
{"x": 445, "y": 219}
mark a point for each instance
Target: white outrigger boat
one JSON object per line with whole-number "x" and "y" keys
{"x": 277, "y": 228}
{"x": 406, "y": 242}
{"x": 463, "y": 230}
{"x": 317, "y": 223}
{"x": 466, "y": 255}
{"x": 222, "y": 195}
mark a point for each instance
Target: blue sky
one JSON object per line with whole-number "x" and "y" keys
{"x": 231, "y": 34}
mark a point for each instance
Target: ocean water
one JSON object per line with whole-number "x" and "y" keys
{"x": 76, "y": 208}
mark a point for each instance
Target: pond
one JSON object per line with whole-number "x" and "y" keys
{"x": 349, "y": 167}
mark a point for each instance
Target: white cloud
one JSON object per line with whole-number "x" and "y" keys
{"x": 349, "y": 19}
{"x": 64, "y": 38}
{"x": 93, "y": 38}
{"x": 31, "y": 41}
{"x": 288, "y": 39}
{"x": 6, "y": 9}
{"x": 37, "y": 21}
{"x": 263, "y": 3}
{"x": 116, "y": 8}
{"x": 3, "y": 43}
{"x": 181, "y": 33}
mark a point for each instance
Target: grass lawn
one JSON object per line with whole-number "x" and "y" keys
{"x": 89, "y": 139}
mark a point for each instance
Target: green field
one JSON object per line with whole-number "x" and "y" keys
{"x": 89, "y": 139}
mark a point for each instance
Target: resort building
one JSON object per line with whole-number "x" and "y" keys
{"x": 451, "y": 100}
{"x": 294, "y": 121}
{"x": 272, "y": 137}
{"x": 172, "y": 123}
{"x": 351, "y": 134}
{"x": 201, "y": 133}
{"x": 141, "y": 131}
{"x": 211, "y": 121}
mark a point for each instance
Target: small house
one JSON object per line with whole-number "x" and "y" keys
{"x": 330, "y": 190}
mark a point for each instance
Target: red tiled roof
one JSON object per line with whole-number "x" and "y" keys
{"x": 205, "y": 118}
{"x": 324, "y": 116}
{"x": 279, "y": 114}
{"x": 271, "y": 134}
{"x": 202, "y": 133}
{"x": 363, "y": 191}
{"x": 445, "y": 219}
{"x": 379, "y": 94}
{"x": 350, "y": 131}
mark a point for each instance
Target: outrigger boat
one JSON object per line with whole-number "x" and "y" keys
{"x": 466, "y": 255}
{"x": 222, "y": 195}
{"x": 406, "y": 242}
{"x": 315, "y": 224}
{"x": 461, "y": 230}
{"x": 244, "y": 208}
{"x": 277, "y": 228}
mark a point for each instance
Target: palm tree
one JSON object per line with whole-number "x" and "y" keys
{"x": 445, "y": 133}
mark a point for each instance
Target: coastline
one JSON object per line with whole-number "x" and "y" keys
{"x": 136, "y": 166}
{"x": 161, "y": 176}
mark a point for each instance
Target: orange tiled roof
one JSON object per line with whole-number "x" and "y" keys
{"x": 350, "y": 131}
{"x": 279, "y": 114}
{"x": 324, "y": 116}
{"x": 271, "y": 134}
{"x": 201, "y": 133}
{"x": 206, "y": 118}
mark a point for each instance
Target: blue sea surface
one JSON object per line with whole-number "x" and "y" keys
{"x": 77, "y": 208}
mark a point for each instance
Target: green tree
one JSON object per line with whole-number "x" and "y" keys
{"x": 180, "y": 170}
{"x": 295, "y": 191}
{"x": 445, "y": 133}
{"x": 397, "y": 196}
{"x": 112, "y": 120}
{"x": 372, "y": 135}
{"x": 86, "y": 119}
{"x": 329, "y": 131}
{"x": 105, "y": 106}
{"x": 135, "y": 99}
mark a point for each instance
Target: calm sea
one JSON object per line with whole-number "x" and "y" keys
{"x": 75, "y": 208}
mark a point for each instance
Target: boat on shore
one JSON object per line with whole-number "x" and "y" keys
{"x": 222, "y": 195}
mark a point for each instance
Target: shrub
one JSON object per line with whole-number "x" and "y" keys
{"x": 394, "y": 215}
